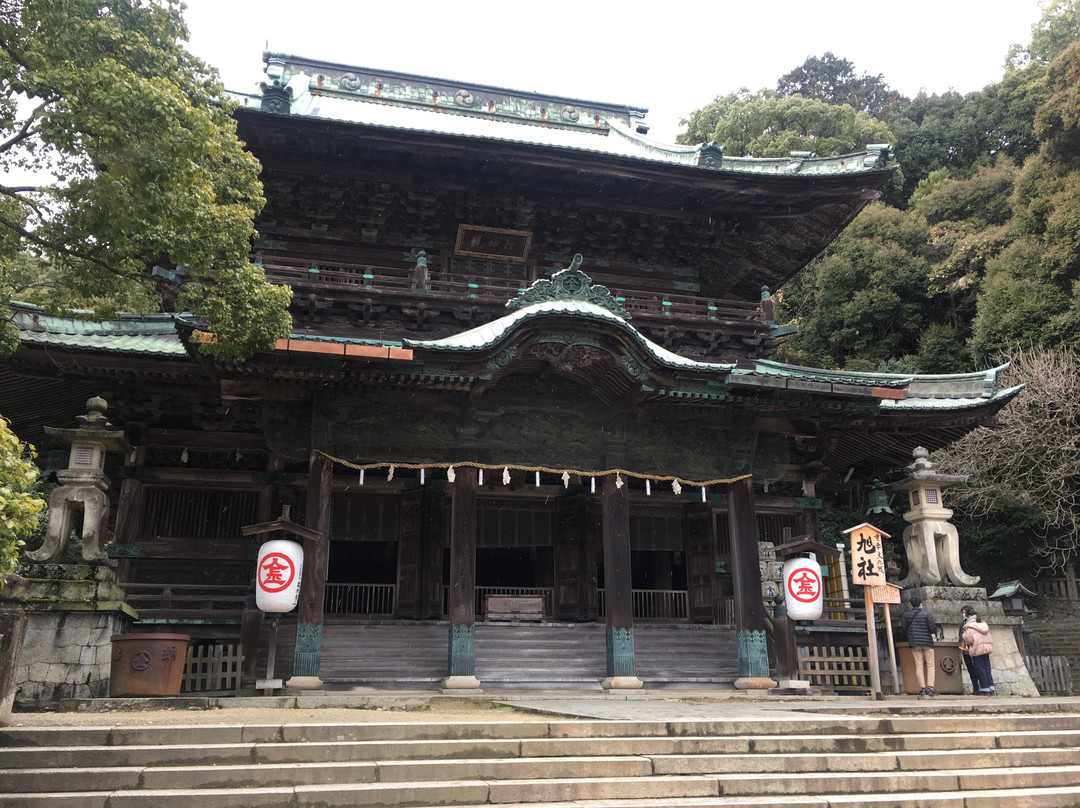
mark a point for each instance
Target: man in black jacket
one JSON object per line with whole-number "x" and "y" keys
{"x": 919, "y": 628}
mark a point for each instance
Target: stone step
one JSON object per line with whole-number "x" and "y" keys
{"x": 527, "y": 739}
{"x": 526, "y": 655}
{"x": 1002, "y": 787}
{"x": 790, "y": 760}
{"x": 323, "y": 771}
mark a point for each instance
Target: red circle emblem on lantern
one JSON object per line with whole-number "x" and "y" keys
{"x": 805, "y": 585}
{"x": 276, "y": 572}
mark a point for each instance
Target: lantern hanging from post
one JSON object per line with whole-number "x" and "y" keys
{"x": 878, "y": 499}
{"x": 804, "y": 593}
{"x": 280, "y": 566}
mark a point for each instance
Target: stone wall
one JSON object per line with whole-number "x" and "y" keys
{"x": 72, "y": 611}
{"x": 65, "y": 655}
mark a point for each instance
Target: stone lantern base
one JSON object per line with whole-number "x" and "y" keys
{"x": 1011, "y": 676}
{"x": 72, "y": 611}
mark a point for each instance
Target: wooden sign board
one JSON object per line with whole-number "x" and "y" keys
{"x": 490, "y": 242}
{"x": 867, "y": 555}
{"x": 885, "y": 594}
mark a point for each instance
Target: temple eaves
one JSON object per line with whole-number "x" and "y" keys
{"x": 309, "y": 88}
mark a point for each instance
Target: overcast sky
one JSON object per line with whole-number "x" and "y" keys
{"x": 669, "y": 57}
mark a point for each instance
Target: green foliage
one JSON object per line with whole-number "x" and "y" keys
{"x": 148, "y": 169}
{"x": 1058, "y": 28}
{"x": 983, "y": 199}
{"x": 20, "y": 508}
{"x": 761, "y": 125}
{"x": 834, "y": 81}
{"x": 866, "y": 296}
{"x": 1031, "y": 293}
{"x": 959, "y": 134}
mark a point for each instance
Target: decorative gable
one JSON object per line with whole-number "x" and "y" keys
{"x": 569, "y": 284}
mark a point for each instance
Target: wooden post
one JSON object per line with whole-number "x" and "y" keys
{"x": 892, "y": 650}
{"x": 309, "y": 620}
{"x": 749, "y": 607}
{"x": 871, "y": 641}
{"x": 1070, "y": 583}
{"x": 461, "y": 664}
{"x": 618, "y": 587}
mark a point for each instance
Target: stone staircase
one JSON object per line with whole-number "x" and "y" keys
{"x": 517, "y": 656}
{"x": 788, "y": 761}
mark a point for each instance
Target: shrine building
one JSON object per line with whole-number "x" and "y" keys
{"x": 527, "y": 400}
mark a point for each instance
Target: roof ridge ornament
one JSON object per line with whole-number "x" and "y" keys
{"x": 711, "y": 155}
{"x": 569, "y": 284}
{"x": 276, "y": 97}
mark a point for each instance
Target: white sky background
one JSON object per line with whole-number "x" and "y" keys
{"x": 672, "y": 58}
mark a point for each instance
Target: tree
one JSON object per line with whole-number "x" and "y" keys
{"x": 761, "y": 125}
{"x": 1058, "y": 28}
{"x": 833, "y": 80}
{"x": 1029, "y": 462}
{"x": 1031, "y": 294}
{"x": 866, "y": 297}
{"x": 19, "y": 507}
{"x": 151, "y": 199}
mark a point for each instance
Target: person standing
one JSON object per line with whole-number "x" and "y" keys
{"x": 918, "y": 626}
{"x": 977, "y": 642}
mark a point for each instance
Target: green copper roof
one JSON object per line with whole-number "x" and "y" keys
{"x": 400, "y": 101}
{"x": 150, "y": 334}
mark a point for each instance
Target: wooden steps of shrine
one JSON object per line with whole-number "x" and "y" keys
{"x": 952, "y": 761}
{"x": 519, "y": 656}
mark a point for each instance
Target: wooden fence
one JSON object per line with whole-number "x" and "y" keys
{"x": 840, "y": 668}
{"x": 212, "y": 669}
{"x": 1051, "y": 674}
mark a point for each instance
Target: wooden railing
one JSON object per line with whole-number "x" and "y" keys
{"x": 1057, "y": 587}
{"x": 1050, "y": 674}
{"x": 843, "y": 668}
{"x": 212, "y": 668}
{"x": 655, "y": 605}
{"x": 841, "y": 609}
{"x": 178, "y": 602}
{"x": 372, "y": 599}
{"x": 305, "y": 275}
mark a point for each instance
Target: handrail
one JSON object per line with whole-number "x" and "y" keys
{"x": 373, "y": 599}
{"x": 650, "y": 302}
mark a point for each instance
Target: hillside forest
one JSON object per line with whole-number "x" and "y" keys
{"x": 971, "y": 260}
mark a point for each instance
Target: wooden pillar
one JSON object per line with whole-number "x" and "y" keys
{"x": 618, "y": 587}
{"x": 461, "y": 663}
{"x": 309, "y": 620}
{"x": 749, "y": 608}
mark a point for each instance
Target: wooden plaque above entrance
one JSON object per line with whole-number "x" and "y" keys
{"x": 489, "y": 242}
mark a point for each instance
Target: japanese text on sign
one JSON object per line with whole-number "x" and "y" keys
{"x": 867, "y": 556}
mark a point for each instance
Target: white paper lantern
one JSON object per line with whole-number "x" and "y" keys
{"x": 277, "y": 576}
{"x": 804, "y": 591}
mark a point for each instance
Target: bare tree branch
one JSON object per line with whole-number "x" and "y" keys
{"x": 1031, "y": 458}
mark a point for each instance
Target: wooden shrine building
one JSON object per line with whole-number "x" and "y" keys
{"x": 528, "y": 379}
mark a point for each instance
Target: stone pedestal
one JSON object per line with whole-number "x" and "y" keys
{"x": 1011, "y": 677}
{"x": 72, "y": 611}
{"x": 12, "y": 630}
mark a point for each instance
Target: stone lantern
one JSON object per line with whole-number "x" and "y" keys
{"x": 930, "y": 540}
{"x": 83, "y": 484}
